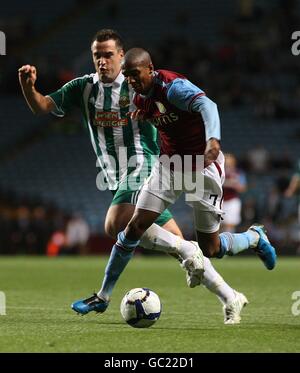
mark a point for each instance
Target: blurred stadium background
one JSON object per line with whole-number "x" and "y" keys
{"x": 238, "y": 51}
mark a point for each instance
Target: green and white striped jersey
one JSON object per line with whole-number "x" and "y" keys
{"x": 115, "y": 137}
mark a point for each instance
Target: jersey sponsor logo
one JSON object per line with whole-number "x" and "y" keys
{"x": 109, "y": 119}
{"x": 124, "y": 101}
{"x": 160, "y": 107}
{"x": 164, "y": 119}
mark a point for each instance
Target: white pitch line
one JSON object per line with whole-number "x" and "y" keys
{"x": 35, "y": 308}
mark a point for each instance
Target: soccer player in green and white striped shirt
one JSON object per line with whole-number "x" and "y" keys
{"x": 105, "y": 98}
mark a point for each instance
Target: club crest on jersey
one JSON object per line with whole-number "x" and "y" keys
{"x": 124, "y": 101}
{"x": 160, "y": 107}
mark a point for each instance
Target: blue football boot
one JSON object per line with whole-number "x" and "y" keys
{"x": 94, "y": 303}
{"x": 264, "y": 249}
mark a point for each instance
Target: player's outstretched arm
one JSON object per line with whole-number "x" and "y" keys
{"x": 38, "y": 103}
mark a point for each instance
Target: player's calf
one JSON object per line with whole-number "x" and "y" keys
{"x": 209, "y": 243}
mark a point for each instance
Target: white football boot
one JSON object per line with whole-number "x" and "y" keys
{"x": 232, "y": 311}
{"x": 194, "y": 267}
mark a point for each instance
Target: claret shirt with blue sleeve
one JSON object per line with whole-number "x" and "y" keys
{"x": 185, "y": 118}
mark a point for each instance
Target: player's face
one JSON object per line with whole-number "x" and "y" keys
{"x": 139, "y": 77}
{"x": 107, "y": 59}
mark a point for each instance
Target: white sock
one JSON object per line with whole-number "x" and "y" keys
{"x": 215, "y": 283}
{"x": 157, "y": 238}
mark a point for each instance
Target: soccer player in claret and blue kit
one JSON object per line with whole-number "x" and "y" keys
{"x": 188, "y": 124}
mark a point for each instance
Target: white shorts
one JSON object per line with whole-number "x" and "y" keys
{"x": 232, "y": 209}
{"x": 162, "y": 189}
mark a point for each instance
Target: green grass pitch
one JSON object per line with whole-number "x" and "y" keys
{"x": 39, "y": 292}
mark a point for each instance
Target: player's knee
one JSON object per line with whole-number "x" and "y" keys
{"x": 210, "y": 250}
{"x": 209, "y": 253}
{"x": 137, "y": 227}
{"x": 113, "y": 227}
{"x": 110, "y": 229}
{"x": 209, "y": 243}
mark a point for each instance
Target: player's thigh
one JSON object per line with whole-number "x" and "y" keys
{"x": 149, "y": 208}
{"x": 207, "y": 225}
{"x": 171, "y": 226}
{"x": 117, "y": 217}
{"x": 159, "y": 184}
{"x": 150, "y": 205}
{"x": 207, "y": 214}
{"x": 122, "y": 210}
{"x": 207, "y": 194}
{"x": 206, "y": 221}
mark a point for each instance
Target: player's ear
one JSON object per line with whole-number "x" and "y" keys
{"x": 151, "y": 68}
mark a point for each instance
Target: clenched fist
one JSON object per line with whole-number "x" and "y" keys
{"x": 27, "y": 76}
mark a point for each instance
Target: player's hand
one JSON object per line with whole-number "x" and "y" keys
{"x": 27, "y": 76}
{"x": 137, "y": 115}
{"x": 211, "y": 152}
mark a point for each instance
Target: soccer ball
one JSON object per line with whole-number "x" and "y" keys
{"x": 140, "y": 307}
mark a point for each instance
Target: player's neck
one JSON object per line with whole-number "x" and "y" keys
{"x": 149, "y": 89}
{"x": 108, "y": 80}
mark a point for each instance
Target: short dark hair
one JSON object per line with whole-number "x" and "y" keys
{"x": 109, "y": 34}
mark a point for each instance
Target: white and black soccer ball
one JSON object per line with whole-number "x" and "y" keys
{"x": 140, "y": 307}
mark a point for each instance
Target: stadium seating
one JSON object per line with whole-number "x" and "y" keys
{"x": 59, "y": 169}
{"x": 212, "y": 16}
{"x": 16, "y": 121}
{"x": 34, "y": 7}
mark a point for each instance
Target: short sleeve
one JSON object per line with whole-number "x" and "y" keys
{"x": 68, "y": 96}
